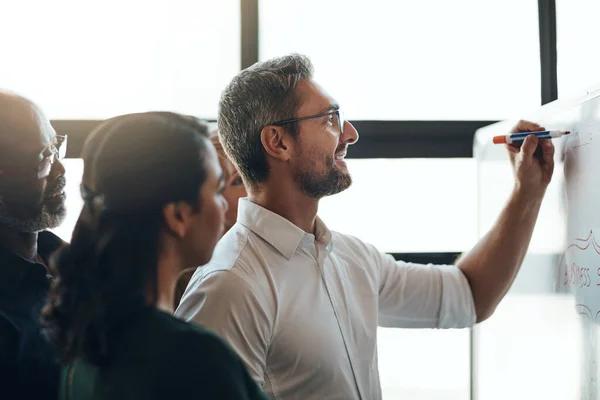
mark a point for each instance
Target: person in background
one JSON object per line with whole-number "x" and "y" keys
{"x": 301, "y": 304}
{"x": 234, "y": 185}
{"x": 234, "y": 190}
{"x": 153, "y": 206}
{"x": 32, "y": 200}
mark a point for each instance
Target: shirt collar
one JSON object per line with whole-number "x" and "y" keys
{"x": 280, "y": 233}
{"x": 16, "y": 271}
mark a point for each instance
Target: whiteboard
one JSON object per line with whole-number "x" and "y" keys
{"x": 542, "y": 342}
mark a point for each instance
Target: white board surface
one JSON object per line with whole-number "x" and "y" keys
{"x": 542, "y": 342}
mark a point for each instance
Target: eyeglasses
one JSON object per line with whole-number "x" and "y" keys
{"x": 338, "y": 113}
{"x": 55, "y": 151}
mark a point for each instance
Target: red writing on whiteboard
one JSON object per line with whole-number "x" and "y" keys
{"x": 574, "y": 267}
{"x": 586, "y": 311}
{"x": 577, "y": 276}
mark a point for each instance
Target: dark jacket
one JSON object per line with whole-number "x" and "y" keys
{"x": 28, "y": 366}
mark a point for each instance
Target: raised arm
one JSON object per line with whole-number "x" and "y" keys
{"x": 491, "y": 266}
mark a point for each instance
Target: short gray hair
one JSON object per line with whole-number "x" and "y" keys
{"x": 258, "y": 96}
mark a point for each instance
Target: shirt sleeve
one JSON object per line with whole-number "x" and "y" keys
{"x": 205, "y": 368}
{"x": 423, "y": 296}
{"x": 225, "y": 304}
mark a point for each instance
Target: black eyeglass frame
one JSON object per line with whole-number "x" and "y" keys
{"x": 337, "y": 112}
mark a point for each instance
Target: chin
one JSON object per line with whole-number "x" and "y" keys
{"x": 343, "y": 183}
{"x": 56, "y": 218}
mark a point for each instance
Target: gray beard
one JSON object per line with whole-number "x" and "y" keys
{"x": 43, "y": 220}
{"x": 322, "y": 186}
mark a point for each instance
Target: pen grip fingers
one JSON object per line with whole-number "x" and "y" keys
{"x": 527, "y": 126}
{"x": 548, "y": 150}
{"x": 514, "y": 148}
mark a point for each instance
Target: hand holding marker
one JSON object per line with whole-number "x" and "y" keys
{"x": 520, "y": 137}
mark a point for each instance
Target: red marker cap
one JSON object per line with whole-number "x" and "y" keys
{"x": 499, "y": 139}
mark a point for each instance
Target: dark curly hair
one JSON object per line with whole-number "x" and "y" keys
{"x": 134, "y": 165}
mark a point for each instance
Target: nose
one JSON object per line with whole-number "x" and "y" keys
{"x": 58, "y": 169}
{"x": 350, "y": 135}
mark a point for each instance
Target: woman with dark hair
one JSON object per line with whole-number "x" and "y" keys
{"x": 153, "y": 207}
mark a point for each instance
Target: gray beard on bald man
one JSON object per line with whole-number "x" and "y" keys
{"x": 44, "y": 219}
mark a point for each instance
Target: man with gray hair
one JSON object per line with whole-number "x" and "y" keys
{"x": 32, "y": 200}
{"x": 300, "y": 303}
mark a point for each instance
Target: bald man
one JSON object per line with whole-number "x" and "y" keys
{"x": 32, "y": 200}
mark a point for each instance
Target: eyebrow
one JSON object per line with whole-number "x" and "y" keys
{"x": 332, "y": 107}
{"x": 36, "y": 153}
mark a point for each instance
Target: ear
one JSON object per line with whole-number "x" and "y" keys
{"x": 276, "y": 141}
{"x": 177, "y": 217}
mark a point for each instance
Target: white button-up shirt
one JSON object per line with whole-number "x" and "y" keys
{"x": 302, "y": 310}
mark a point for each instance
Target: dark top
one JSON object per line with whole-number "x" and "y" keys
{"x": 28, "y": 367}
{"x": 158, "y": 356}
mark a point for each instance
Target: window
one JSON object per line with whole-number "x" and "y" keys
{"x": 424, "y": 364}
{"x": 414, "y": 60}
{"x": 577, "y": 31}
{"x": 92, "y": 60}
{"x": 402, "y": 205}
{"x": 496, "y": 182}
{"x": 74, "y": 203}
{"x": 408, "y": 205}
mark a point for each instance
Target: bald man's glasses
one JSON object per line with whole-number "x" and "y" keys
{"x": 55, "y": 151}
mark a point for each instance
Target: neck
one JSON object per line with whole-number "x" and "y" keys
{"x": 290, "y": 203}
{"x": 168, "y": 267}
{"x": 23, "y": 244}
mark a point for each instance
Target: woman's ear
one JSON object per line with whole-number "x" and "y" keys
{"x": 177, "y": 217}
